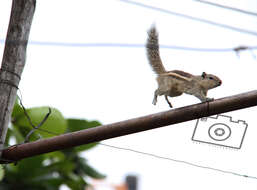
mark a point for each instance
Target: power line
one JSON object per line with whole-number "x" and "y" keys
{"x": 178, "y": 161}
{"x": 130, "y": 45}
{"x": 227, "y": 7}
{"x": 190, "y": 17}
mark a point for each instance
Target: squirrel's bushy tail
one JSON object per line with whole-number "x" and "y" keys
{"x": 152, "y": 48}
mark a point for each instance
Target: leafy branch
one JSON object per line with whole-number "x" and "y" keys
{"x": 48, "y": 171}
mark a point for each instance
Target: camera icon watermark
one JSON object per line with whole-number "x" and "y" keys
{"x": 220, "y": 130}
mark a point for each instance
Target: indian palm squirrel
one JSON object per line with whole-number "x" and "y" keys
{"x": 175, "y": 83}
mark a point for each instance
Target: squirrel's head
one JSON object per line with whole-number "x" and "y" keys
{"x": 209, "y": 81}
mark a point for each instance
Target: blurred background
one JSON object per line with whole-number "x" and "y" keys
{"x": 87, "y": 59}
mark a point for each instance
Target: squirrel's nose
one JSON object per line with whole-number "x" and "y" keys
{"x": 220, "y": 82}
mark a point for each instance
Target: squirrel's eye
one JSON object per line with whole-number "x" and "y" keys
{"x": 211, "y": 78}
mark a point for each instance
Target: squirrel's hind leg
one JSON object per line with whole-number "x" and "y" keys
{"x": 155, "y": 97}
{"x": 166, "y": 98}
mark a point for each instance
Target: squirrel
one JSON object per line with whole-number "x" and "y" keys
{"x": 175, "y": 83}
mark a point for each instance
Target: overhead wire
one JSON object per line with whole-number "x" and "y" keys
{"x": 227, "y": 7}
{"x": 191, "y": 17}
{"x": 128, "y": 45}
{"x": 178, "y": 161}
{"x": 134, "y": 45}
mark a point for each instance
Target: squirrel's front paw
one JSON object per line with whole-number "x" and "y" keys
{"x": 209, "y": 99}
{"x": 154, "y": 101}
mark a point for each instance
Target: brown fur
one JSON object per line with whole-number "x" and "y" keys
{"x": 176, "y": 82}
{"x": 152, "y": 49}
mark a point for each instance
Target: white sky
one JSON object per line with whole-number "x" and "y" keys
{"x": 113, "y": 84}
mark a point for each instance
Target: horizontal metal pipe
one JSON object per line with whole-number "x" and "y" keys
{"x": 131, "y": 126}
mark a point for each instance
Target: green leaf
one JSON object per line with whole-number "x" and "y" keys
{"x": 49, "y": 182}
{"x": 88, "y": 170}
{"x": 55, "y": 156}
{"x": 11, "y": 169}
{"x": 63, "y": 167}
{"x": 1, "y": 172}
{"x": 53, "y": 182}
{"x": 17, "y": 109}
{"x": 8, "y": 136}
{"x": 29, "y": 167}
{"x": 56, "y": 124}
{"x": 75, "y": 182}
{"x": 19, "y": 133}
{"x": 66, "y": 166}
{"x": 80, "y": 124}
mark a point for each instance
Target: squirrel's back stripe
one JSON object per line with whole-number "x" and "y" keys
{"x": 182, "y": 73}
{"x": 177, "y": 76}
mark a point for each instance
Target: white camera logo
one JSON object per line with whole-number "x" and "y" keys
{"x": 220, "y": 130}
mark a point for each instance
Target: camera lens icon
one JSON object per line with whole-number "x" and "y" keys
{"x": 219, "y": 132}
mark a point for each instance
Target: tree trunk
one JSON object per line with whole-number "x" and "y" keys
{"x": 14, "y": 59}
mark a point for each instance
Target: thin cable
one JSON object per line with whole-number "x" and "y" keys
{"x": 30, "y": 120}
{"x": 178, "y": 161}
{"x": 227, "y": 7}
{"x": 190, "y": 17}
{"x": 126, "y": 45}
{"x": 11, "y": 72}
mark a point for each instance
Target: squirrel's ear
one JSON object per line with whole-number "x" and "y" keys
{"x": 203, "y": 74}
